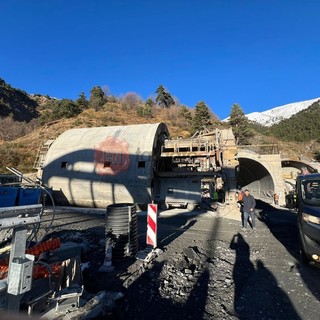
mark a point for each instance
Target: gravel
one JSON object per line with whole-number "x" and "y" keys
{"x": 205, "y": 268}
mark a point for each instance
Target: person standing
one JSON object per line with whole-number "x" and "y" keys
{"x": 276, "y": 199}
{"x": 239, "y": 196}
{"x": 249, "y": 204}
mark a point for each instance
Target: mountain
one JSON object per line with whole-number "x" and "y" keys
{"x": 275, "y": 115}
{"x": 16, "y": 103}
{"x": 300, "y": 127}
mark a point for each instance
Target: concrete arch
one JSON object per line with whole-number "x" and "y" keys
{"x": 253, "y": 175}
{"x": 267, "y": 174}
{"x": 95, "y": 167}
{"x": 262, "y": 174}
{"x": 298, "y": 165}
{"x": 291, "y": 168}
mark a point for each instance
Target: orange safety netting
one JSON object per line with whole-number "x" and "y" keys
{"x": 39, "y": 270}
{"x": 49, "y": 245}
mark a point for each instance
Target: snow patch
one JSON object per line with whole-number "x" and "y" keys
{"x": 277, "y": 114}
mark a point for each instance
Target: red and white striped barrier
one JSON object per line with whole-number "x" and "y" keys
{"x": 152, "y": 225}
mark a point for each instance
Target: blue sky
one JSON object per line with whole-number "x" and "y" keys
{"x": 257, "y": 53}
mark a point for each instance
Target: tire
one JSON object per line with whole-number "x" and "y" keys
{"x": 191, "y": 206}
{"x": 164, "y": 206}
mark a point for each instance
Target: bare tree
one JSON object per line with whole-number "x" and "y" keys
{"x": 131, "y": 100}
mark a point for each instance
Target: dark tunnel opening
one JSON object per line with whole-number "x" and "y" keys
{"x": 254, "y": 176}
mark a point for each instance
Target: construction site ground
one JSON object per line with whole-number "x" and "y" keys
{"x": 205, "y": 267}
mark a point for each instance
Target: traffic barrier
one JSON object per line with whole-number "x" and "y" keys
{"x": 152, "y": 225}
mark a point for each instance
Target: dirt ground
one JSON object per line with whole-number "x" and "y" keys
{"x": 205, "y": 267}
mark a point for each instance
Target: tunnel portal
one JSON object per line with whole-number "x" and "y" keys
{"x": 254, "y": 176}
{"x": 266, "y": 174}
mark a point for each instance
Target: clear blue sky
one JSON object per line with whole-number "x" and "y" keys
{"x": 257, "y": 53}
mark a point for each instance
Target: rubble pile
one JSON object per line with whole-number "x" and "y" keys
{"x": 178, "y": 277}
{"x": 190, "y": 283}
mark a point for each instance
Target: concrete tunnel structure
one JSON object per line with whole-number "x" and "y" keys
{"x": 94, "y": 167}
{"x": 266, "y": 174}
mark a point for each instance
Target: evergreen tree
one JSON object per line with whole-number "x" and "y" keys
{"x": 149, "y": 102}
{"x": 302, "y": 126}
{"x": 59, "y": 109}
{"x": 17, "y": 102}
{"x": 97, "y": 99}
{"x": 164, "y": 99}
{"x": 240, "y": 125}
{"x": 66, "y": 109}
{"x": 186, "y": 115}
{"x": 82, "y": 101}
{"x": 202, "y": 117}
{"x": 144, "y": 111}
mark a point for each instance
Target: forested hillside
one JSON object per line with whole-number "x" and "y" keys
{"x": 16, "y": 103}
{"x": 303, "y": 126}
{"x": 19, "y": 141}
{"x": 27, "y": 121}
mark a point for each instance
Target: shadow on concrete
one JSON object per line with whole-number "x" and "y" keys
{"x": 283, "y": 225}
{"x": 88, "y": 230}
{"x": 257, "y": 294}
{"x": 147, "y": 286}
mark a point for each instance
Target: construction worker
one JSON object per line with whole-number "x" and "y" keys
{"x": 276, "y": 199}
{"x": 239, "y": 195}
{"x": 215, "y": 196}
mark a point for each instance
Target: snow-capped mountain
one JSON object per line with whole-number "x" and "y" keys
{"x": 275, "y": 115}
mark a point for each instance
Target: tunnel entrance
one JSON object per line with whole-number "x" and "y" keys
{"x": 291, "y": 169}
{"x": 299, "y": 165}
{"x": 252, "y": 175}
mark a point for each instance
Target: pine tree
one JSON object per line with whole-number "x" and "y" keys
{"x": 202, "y": 117}
{"x": 149, "y": 102}
{"x": 96, "y": 100}
{"x": 82, "y": 101}
{"x": 240, "y": 125}
{"x": 164, "y": 99}
{"x": 186, "y": 115}
{"x": 302, "y": 126}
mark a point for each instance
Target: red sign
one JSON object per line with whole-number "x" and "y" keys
{"x": 111, "y": 156}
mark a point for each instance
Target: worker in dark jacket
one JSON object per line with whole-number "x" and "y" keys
{"x": 249, "y": 204}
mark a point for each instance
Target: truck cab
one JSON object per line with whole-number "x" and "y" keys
{"x": 308, "y": 206}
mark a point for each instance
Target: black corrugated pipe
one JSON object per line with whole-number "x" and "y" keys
{"x": 122, "y": 227}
